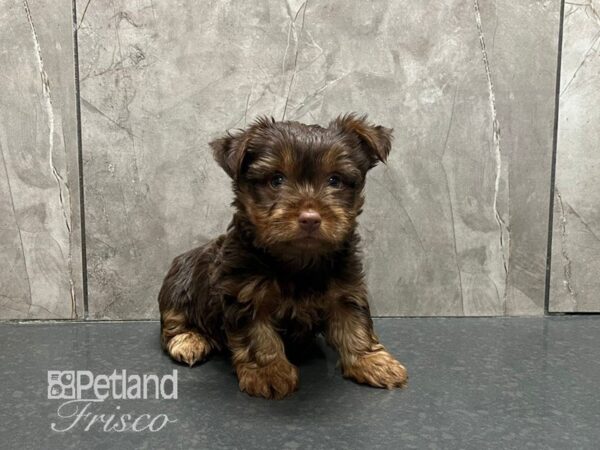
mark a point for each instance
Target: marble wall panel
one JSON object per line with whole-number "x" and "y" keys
{"x": 40, "y": 246}
{"x": 455, "y": 224}
{"x": 575, "y": 285}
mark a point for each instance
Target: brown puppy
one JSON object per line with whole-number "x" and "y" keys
{"x": 288, "y": 266}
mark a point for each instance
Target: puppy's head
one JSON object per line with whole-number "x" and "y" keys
{"x": 300, "y": 186}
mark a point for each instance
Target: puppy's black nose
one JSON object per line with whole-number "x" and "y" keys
{"x": 309, "y": 220}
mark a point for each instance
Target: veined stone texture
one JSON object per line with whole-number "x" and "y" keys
{"x": 575, "y": 281}
{"x": 40, "y": 246}
{"x": 455, "y": 224}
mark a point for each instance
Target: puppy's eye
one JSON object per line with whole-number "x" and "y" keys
{"x": 334, "y": 181}
{"x": 277, "y": 180}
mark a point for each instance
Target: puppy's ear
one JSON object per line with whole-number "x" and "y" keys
{"x": 375, "y": 140}
{"x": 229, "y": 152}
{"x": 233, "y": 149}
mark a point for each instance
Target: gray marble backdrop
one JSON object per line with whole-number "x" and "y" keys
{"x": 40, "y": 245}
{"x": 455, "y": 224}
{"x": 576, "y": 228}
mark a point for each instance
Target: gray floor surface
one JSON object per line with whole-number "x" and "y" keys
{"x": 474, "y": 383}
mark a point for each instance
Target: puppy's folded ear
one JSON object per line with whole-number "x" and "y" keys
{"x": 229, "y": 152}
{"x": 375, "y": 140}
{"x": 233, "y": 149}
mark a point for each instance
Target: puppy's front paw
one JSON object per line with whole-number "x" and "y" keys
{"x": 378, "y": 369}
{"x": 188, "y": 348}
{"x": 276, "y": 380}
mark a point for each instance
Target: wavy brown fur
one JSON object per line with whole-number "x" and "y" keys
{"x": 268, "y": 283}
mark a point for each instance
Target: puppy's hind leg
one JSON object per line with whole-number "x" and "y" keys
{"x": 182, "y": 343}
{"x": 180, "y": 335}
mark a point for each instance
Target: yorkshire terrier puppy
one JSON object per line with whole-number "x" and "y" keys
{"x": 289, "y": 265}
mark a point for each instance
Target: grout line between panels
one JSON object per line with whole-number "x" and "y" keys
{"x": 553, "y": 165}
{"x": 80, "y": 162}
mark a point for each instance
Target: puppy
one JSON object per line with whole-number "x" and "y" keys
{"x": 288, "y": 266}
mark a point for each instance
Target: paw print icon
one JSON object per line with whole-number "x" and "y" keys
{"x": 61, "y": 384}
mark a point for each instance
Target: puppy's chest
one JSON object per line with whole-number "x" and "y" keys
{"x": 300, "y": 315}
{"x": 305, "y": 302}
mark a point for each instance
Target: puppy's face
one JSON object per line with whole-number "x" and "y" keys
{"x": 300, "y": 186}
